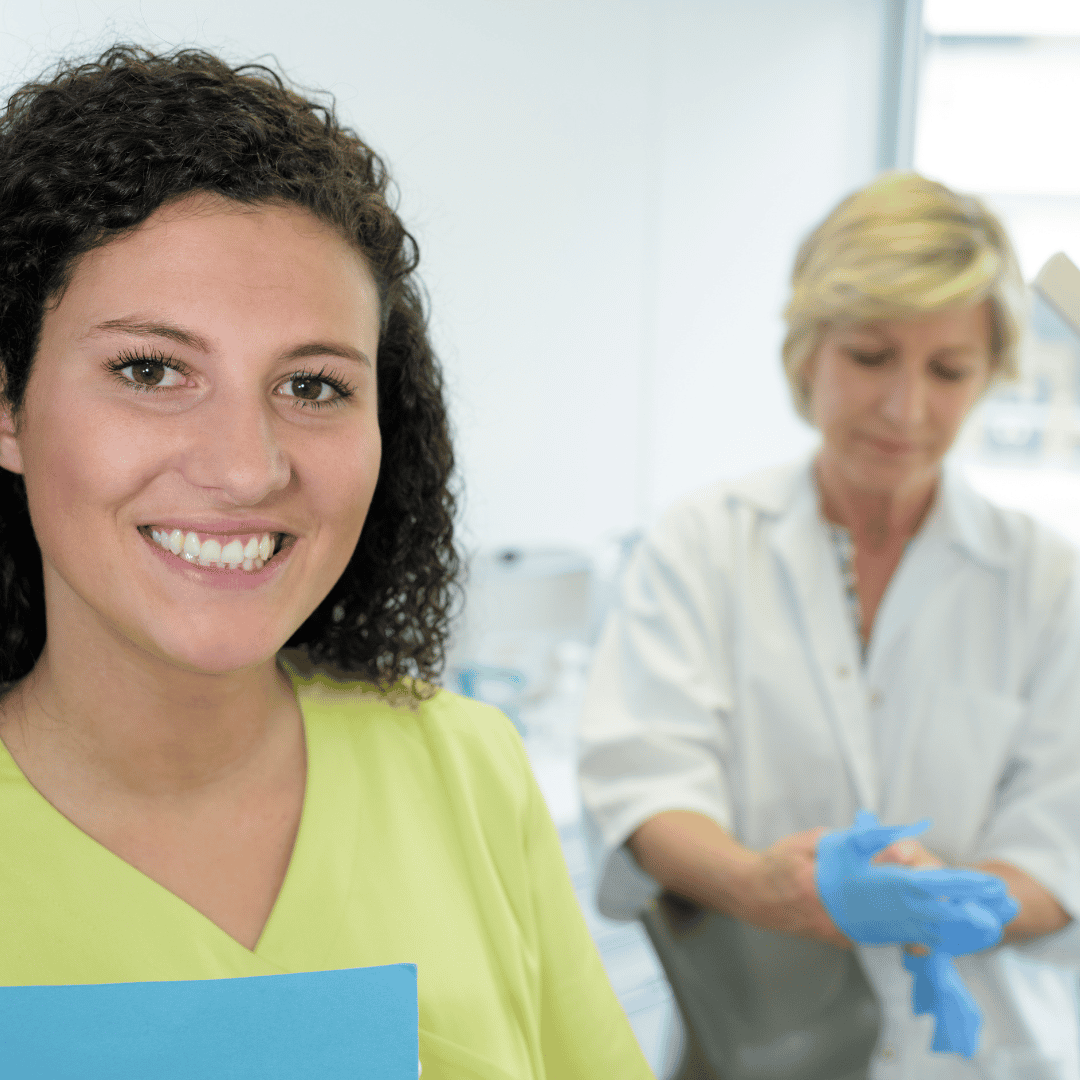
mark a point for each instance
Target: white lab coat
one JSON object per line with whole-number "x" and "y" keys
{"x": 728, "y": 680}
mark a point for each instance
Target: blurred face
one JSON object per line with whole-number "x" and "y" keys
{"x": 889, "y": 397}
{"x": 200, "y": 437}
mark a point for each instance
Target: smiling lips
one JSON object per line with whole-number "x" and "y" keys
{"x": 238, "y": 552}
{"x": 890, "y": 446}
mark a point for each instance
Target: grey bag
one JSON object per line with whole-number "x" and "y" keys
{"x": 762, "y": 1006}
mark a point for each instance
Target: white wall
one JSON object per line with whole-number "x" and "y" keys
{"x": 770, "y": 116}
{"x": 607, "y": 195}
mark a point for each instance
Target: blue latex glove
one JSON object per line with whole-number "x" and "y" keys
{"x": 939, "y": 990}
{"x": 959, "y": 911}
{"x": 861, "y": 900}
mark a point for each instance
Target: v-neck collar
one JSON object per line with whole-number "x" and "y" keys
{"x": 313, "y": 897}
{"x": 83, "y": 862}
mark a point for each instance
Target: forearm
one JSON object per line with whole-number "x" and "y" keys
{"x": 1040, "y": 912}
{"x": 692, "y": 856}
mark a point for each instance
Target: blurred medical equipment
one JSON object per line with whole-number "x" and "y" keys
{"x": 762, "y": 1026}
{"x": 1035, "y": 422}
{"x": 531, "y": 617}
{"x": 521, "y": 604}
{"x": 1059, "y": 283}
{"x": 1021, "y": 446}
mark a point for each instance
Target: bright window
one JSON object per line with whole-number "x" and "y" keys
{"x": 995, "y": 115}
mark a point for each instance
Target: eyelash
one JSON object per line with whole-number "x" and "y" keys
{"x": 156, "y": 359}
{"x": 876, "y": 359}
{"x": 869, "y": 359}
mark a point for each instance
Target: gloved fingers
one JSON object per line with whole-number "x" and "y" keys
{"x": 1004, "y": 908}
{"x": 956, "y": 885}
{"x": 956, "y": 1030}
{"x": 922, "y": 997}
{"x": 922, "y": 988}
{"x": 969, "y": 928}
{"x": 870, "y": 840}
{"x": 948, "y": 912}
{"x": 917, "y": 965}
{"x": 957, "y": 1014}
{"x": 955, "y": 929}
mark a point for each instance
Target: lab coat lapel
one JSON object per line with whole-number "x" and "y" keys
{"x": 957, "y": 530}
{"x": 807, "y": 562}
{"x": 926, "y": 565}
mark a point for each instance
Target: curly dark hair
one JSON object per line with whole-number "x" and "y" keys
{"x": 88, "y": 156}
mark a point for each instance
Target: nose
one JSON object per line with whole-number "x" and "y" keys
{"x": 904, "y": 404}
{"x": 235, "y": 448}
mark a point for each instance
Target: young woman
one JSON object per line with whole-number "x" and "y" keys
{"x": 226, "y": 567}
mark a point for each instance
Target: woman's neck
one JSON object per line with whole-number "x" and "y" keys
{"x": 876, "y": 520}
{"x": 156, "y": 735}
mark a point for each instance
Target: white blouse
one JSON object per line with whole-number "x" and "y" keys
{"x": 729, "y": 680}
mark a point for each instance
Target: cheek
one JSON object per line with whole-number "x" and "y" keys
{"x": 76, "y": 462}
{"x": 953, "y": 410}
{"x": 839, "y": 398}
{"x": 344, "y": 492}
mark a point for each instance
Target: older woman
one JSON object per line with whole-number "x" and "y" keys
{"x": 222, "y": 434}
{"x": 861, "y": 630}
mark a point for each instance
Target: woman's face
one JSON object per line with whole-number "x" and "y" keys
{"x": 889, "y": 397}
{"x": 212, "y": 373}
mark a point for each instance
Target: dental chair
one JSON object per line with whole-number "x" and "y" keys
{"x": 761, "y": 1006}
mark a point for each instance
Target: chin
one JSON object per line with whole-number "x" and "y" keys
{"x": 886, "y": 477}
{"x": 217, "y": 654}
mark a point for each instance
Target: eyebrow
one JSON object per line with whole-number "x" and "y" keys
{"x": 886, "y": 343}
{"x": 189, "y": 339}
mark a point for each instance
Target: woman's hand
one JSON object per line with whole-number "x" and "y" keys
{"x": 779, "y": 891}
{"x": 909, "y": 853}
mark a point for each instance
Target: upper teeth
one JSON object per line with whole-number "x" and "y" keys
{"x": 251, "y": 551}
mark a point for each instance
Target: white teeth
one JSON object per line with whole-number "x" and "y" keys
{"x": 210, "y": 552}
{"x": 251, "y": 556}
{"x": 232, "y": 553}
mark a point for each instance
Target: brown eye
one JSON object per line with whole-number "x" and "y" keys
{"x": 147, "y": 372}
{"x": 309, "y": 389}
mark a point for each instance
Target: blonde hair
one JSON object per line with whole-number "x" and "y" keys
{"x": 903, "y": 247}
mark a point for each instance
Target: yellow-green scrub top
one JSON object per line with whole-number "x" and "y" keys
{"x": 423, "y": 839}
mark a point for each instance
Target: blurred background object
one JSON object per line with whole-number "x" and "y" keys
{"x": 993, "y": 107}
{"x": 1021, "y": 446}
{"x": 522, "y": 603}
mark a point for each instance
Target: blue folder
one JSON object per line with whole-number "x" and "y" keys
{"x": 360, "y": 1023}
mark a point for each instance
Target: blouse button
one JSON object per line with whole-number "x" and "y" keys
{"x": 843, "y": 671}
{"x": 875, "y": 699}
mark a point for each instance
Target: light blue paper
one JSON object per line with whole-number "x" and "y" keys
{"x": 360, "y": 1024}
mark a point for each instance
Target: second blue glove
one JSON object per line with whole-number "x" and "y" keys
{"x": 958, "y": 911}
